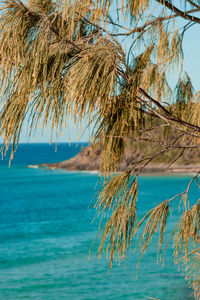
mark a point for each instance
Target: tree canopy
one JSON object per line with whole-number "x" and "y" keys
{"x": 109, "y": 62}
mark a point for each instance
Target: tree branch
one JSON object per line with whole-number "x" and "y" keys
{"x": 141, "y": 28}
{"x": 178, "y": 12}
{"x": 192, "y": 3}
{"x": 168, "y": 115}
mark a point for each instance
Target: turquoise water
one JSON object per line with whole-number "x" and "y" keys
{"x": 46, "y": 231}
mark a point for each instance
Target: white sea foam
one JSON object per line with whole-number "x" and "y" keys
{"x": 33, "y": 166}
{"x": 93, "y": 172}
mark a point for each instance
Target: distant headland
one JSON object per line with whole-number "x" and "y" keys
{"x": 89, "y": 159}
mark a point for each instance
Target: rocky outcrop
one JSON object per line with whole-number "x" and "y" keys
{"x": 89, "y": 159}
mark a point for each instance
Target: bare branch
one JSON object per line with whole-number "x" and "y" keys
{"x": 178, "y": 12}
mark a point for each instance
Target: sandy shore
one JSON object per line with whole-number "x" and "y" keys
{"x": 153, "y": 169}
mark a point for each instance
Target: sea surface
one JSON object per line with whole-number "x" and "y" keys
{"x": 46, "y": 231}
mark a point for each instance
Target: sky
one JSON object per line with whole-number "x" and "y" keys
{"x": 191, "y": 47}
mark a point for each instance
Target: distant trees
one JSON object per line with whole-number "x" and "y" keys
{"x": 108, "y": 62}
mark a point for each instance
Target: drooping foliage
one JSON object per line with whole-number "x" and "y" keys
{"x": 108, "y": 62}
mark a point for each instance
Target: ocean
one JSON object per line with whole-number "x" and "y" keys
{"x": 46, "y": 231}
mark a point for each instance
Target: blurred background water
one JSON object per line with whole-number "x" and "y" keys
{"x": 46, "y": 231}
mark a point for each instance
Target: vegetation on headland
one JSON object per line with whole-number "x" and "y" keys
{"x": 89, "y": 159}
{"x": 71, "y": 58}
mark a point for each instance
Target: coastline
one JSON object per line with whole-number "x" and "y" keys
{"x": 89, "y": 160}
{"x": 153, "y": 170}
{"x": 156, "y": 169}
